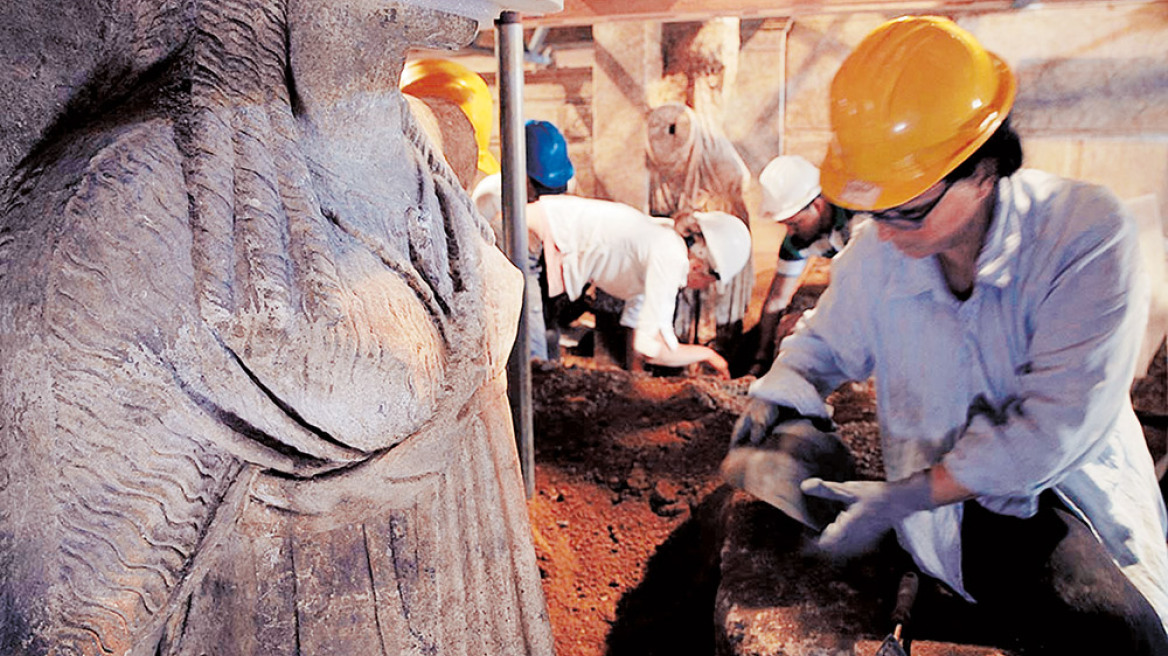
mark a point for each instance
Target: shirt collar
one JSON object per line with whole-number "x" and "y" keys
{"x": 911, "y": 277}
{"x": 999, "y": 255}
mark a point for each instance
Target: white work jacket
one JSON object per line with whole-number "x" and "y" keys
{"x": 1048, "y": 340}
{"x": 628, "y": 254}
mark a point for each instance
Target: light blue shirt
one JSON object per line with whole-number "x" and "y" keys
{"x": 1025, "y": 386}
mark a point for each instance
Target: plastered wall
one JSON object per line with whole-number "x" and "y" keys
{"x": 1092, "y": 104}
{"x": 1093, "y": 87}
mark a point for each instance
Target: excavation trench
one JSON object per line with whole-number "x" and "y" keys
{"x": 643, "y": 551}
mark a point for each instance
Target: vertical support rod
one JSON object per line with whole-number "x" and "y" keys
{"x": 514, "y": 165}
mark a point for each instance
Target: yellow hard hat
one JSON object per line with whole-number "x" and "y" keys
{"x": 442, "y": 78}
{"x": 916, "y": 98}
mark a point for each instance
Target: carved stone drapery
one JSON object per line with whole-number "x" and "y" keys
{"x": 253, "y": 337}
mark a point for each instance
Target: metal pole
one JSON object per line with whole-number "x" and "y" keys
{"x": 510, "y": 39}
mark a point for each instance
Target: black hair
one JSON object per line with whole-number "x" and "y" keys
{"x": 1004, "y": 147}
{"x": 541, "y": 190}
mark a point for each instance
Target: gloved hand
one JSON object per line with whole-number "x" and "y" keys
{"x": 761, "y": 417}
{"x": 755, "y": 423}
{"x": 874, "y": 507}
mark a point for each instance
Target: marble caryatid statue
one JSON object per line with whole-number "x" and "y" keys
{"x": 693, "y": 166}
{"x": 252, "y": 348}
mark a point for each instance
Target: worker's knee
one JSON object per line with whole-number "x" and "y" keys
{"x": 1050, "y": 580}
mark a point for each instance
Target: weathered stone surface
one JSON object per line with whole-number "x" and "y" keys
{"x": 252, "y": 341}
{"x": 775, "y": 600}
{"x": 754, "y": 118}
{"x": 700, "y": 64}
{"x": 63, "y": 58}
{"x": 452, "y": 134}
{"x": 931, "y": 648}
{"x": 1097, "y": 68}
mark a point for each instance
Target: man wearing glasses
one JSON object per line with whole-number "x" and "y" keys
{"x": 1000, "y": 311}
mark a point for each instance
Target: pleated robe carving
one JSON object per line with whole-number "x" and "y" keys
{"x": 249, "y": 405}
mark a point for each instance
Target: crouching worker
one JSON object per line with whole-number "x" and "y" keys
{"x": 999, "y": 310}
{"x": 640, "y": 260}
{"x": 629, "y": 255}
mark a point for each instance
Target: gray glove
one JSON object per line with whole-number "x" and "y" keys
{"x": 754, "y": 424}
{"x": 761, "y": 418}
{"x": 792, "y": 451}
{"x": 874, "y": 508}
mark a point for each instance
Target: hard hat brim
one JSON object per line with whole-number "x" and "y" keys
{"x": 782, "y": 214}
{"x": 487, "y": 162}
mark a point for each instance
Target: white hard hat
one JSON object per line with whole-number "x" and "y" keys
{"x": 728, "y": 240}
{"x": 789, "y": 183}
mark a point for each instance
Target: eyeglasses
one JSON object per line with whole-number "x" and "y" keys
{"x": 908, "y": 219}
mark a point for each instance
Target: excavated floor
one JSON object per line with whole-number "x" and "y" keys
{"x": 644, "y": 551}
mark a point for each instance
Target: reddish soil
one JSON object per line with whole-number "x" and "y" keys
{"x": 623, "y": 464}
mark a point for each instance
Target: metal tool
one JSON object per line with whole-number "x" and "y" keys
{"x": 906, "y": 593}
{"x": 792, "y": 452}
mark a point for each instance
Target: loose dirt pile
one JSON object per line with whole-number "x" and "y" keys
{"x": 622, "y": 463}
{"x": 625, "y": 514}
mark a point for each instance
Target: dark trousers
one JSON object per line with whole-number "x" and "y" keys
{"x": 1049, "y": 586}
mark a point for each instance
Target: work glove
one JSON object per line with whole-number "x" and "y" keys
{"x": 792, "y": 452}
{"x": 754, "y": 423}
{"x": 874, "y": 508}
{"x": 763, "y": 417}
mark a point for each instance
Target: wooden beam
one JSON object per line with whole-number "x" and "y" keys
{"x": 589, "y": 12}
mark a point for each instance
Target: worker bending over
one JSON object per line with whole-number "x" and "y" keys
{"x": 815, "y": 228}
{"x": 999, "y": 310}
{"x": 625, "y": 253}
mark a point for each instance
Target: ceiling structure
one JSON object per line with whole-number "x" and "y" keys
{"x": 589, "y": 12}
{"x": 568, "y": 31}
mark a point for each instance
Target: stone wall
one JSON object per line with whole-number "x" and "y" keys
{"x": 1092, "y": 100}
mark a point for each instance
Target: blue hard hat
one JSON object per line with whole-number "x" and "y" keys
{"x": 547, "y": 155}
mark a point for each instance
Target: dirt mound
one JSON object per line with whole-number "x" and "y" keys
{"x": 623, "y": 463}
{"x": 628, "y": 510}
